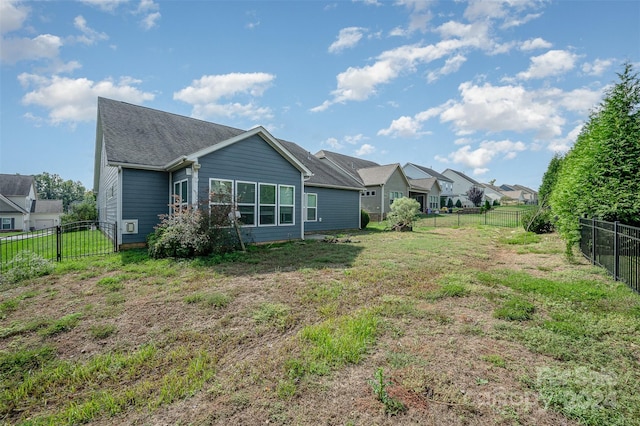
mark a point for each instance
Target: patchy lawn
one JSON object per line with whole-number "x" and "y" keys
{"x": 437, "y": 326}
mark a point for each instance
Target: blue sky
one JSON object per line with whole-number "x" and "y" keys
{"x": 489, "y": 88}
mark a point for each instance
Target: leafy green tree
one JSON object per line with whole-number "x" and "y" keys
{"x": 82, "y": 211}
{"x": 599, "y": 175}
{"x": 53, "y": 187}
{"x": 475, "y": 195}
{"x": 549, "y": 179}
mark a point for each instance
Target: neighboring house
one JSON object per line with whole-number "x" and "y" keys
{"x": 20, "y": 209}
{"x": 461, "y": 184}
{"x": 427, "y": 192}
{"x": 530, "y": 196}
{"x": 527, "y": 196}
{"x": 492, "y": 193}
{"x": 513, "y": 197}
{"x": 382, "y": 184}
{"x": 145, "y": 157}
{"x": 415, "y": 171}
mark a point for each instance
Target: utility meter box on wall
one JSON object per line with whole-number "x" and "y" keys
{"x": 130, "y": 226}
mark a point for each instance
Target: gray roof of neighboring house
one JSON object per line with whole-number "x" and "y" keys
{"x": 431, "y": 172}
{"x": 11, "y": 185}
{"x": 425, "y": 184}
{"x": 492, "y": 187}
{"x": 475, "y": 182}
{"x": 47, "y": 206}
{"x": 346, "y": 163}
{"x": 525, "y": 189}
{"x": 377, "y": 175}
{"x": 140, "y": 136}
{"x": 323, "y": 173}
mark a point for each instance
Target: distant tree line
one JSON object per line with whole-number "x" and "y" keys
{"x": 600, "y": 175}
{"x": 78, "y": 204}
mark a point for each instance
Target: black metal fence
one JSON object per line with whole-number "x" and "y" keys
{"x": 71, "y": 240}
{"x": 503, "y": 218}
{"x": 613, "y": 246}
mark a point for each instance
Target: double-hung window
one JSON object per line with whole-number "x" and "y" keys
{"x": 286, "y": 204}
{"x": 268, "y": 204}
{"x": 180, "y": 194}
{"x": 221, "y": 191}
{"x": 7, "y": 223}
{"x": 311, "y": 206}
{"x": 246, "y": 202}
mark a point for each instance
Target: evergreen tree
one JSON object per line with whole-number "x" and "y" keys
{"x": 599, "y": 175}
{"x": 549, "y": 180}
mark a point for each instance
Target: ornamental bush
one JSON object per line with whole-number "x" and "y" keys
{"x": 189, "y": 232}
{"x": 404, "y": 212}
{"x": 25, "y": 265}
{"x": 538, "y": 221}
{"x": 364, "y": 219}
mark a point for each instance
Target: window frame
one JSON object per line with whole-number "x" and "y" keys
{"x": 182, "y": 185}
{"x": 306, "y": 206}
{"x": 219, "y": 203}
{"x": 292, "y": 205}
{"x": 244, "y": 203}
{"x": 10, "y": 223}
{"x": 268, "y": 205}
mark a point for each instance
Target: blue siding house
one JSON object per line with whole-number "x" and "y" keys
{"x": 145, "y": 159}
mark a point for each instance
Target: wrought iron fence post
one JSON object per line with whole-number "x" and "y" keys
{"x": 616, "y": 258}
{"x": 58, "y": 243}
{"x": 115, "y": 236}
{"x": 593, "y": 241}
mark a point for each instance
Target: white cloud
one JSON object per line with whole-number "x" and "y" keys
{"x": 333, "y": 143}
{"x": 479, "y": 158}
{"x": 554, "y": 62}
{"x": 151, "y": 20}
{"x": 535, "y": 43}
{"x": 346, "y": 39}
{"x": 44, "y": 46}
{"x": 70, "y": 100}
{"x": 500, "y": 108}
{"x": 105, "y": 5}
{"x": 89, "y": 36}
{"x": 597, "y": 67}
{"x": 410, "y": 127}
{"x": 451, "y": 65}
{"x": 12, "y": 16}
{"x": 205, "y": 93}
{"x": 365, "y": 149}
{"x": 354, "y": 139}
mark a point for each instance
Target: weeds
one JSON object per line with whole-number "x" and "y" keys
{"x": 379, "y": 385}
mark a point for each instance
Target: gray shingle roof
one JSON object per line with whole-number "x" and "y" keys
{"x": 431, "y": 172}
{"x": 12, "y": 185}
{"x": 425, "y": 184}
{"x": 346, "y": 163}
{"x": 323, "y": 173}
{"x": 139, "y": 135}
{"x": 377, "y": 175}
{"x": 48, "y": 206}
{"x": 474, "y": 182}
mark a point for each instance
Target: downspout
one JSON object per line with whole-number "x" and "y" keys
{"x": 119, "y": 209}
{"x": 302, "y": 204}
{"x": 381, "y": 202}
{"x": 195, "y": 167}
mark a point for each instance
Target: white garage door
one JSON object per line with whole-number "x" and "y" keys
{"x": 44, "y": 223}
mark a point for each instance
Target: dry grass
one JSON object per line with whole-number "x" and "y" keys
{"x": 240, "y": 326}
